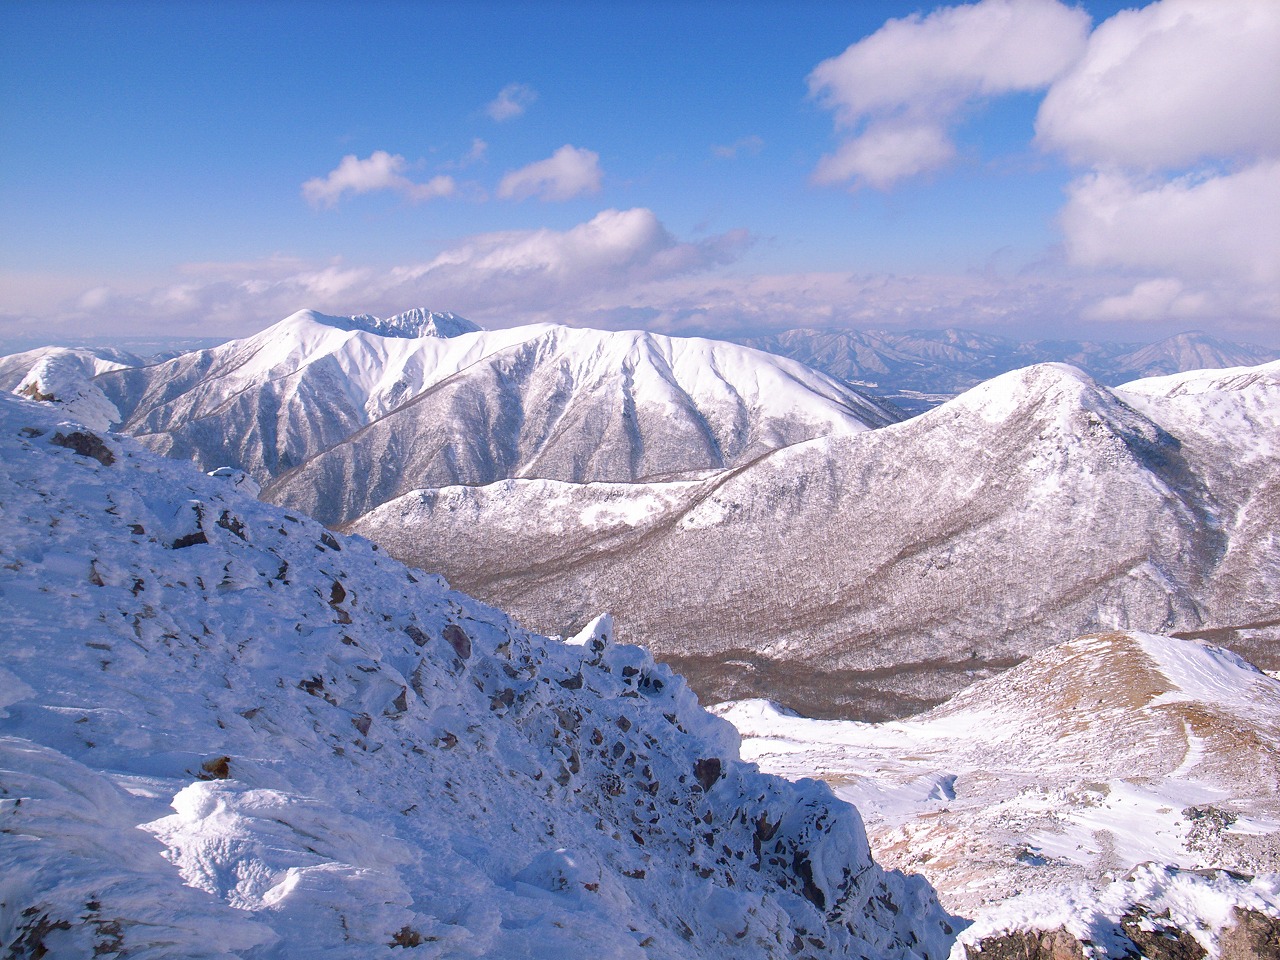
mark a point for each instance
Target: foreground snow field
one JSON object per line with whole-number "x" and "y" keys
{"x": 227, "y": 732}
{"x": 1114, "y": 770}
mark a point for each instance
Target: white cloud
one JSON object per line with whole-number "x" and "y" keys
{"x": 498, "y": 278}
{"x": 552, "y": 269}
{"x": 567, "y": 173}
{"x": 907, "y": 81}
{"x": 1154, "y": 300}
{"x": 750, "y": 145}
{"x": 1171, "y": 84}
{"x": 885, "y": 153}
{"x": 512, "y": 101}
{"x": 379, "y": 171}
{"x": 1220, "y": 226}
{"x": 1172, "y": 106}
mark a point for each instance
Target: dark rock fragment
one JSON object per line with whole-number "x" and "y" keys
{"x": 707, "y": 772}
{"x": 458, "y": 639}
{"x": 86, "y": 444}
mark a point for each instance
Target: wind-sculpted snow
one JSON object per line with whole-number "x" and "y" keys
{"x": 64, "y": 375}
{"x": 335, "y": 415}
{"x": 1111, "y": 784}
{"x": 875, "y": 574}
{"x": 227, "y": 732}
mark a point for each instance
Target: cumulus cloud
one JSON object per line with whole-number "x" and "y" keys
{"x": 565, "y": 174}
{"x": 1176, "y": 82}
{"x": 1196, "y": 226}
{"x": 885, "y": 153}
{"x": 1158, "y": 299}
{"x": 1171, "y": 110}
{"x": 896, "y": 93}
{"x": 497, "y": 278}
{"x": 512, "y": 101}
{"x": 379, "y": 171}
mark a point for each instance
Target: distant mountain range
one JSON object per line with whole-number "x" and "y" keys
{"x": 873, "y": 575}
{"x": 335, "y": 415}
{"x": 919, "y": 369}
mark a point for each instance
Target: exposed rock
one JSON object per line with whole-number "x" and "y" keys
{"x": 1251, "y": 936}
{"x": 1156, "y": 939}
{"x": 86, "y": 444}
{"x": 1027, "y": 945}
{"x": 458, "y": 639}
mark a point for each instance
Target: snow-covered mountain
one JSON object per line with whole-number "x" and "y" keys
{"x": 921, "y": 368}
{"x": 337, "y": 415}
{"x": 875, "y": 574}
{"x": 1104, "y": 787}
{"x": 227, "y": 732}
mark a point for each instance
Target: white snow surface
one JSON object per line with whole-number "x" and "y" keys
{"x": 382, "y": 365}
{"x": 1238, "y": 406}
{"x": 1101, "y": 773}
{"x": 227, "y": 732}
{"x": 64, "y": 375}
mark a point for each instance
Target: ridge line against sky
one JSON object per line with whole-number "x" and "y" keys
{"x": 1025, "y": 167}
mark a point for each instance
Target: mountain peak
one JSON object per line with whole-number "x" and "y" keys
{"x": 412, "y": 324}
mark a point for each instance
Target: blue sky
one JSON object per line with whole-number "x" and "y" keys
{"x": 1027, "y": 167}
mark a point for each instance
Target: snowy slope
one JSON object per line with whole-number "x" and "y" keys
{"x": 1033, "y": 798}
{"x": 64, "y": 375}
{"x": 896, "y": 565}
{"x": 226, "y": 732}
{"x": 337, "y": 415}
{"x": 1228, "y": 422}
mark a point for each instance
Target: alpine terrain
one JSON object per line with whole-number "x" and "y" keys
{"x": 1119, "y": 792}
{"x": 227, "y": 732}
{"x": 919, "y": 369}
{"x": 336, "y": 415}
{"x": 874, "y": 574}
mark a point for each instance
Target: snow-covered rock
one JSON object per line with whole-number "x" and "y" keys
{"x": 227, "y": 732}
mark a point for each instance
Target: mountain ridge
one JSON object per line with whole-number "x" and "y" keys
{"x": 313, "y": 409}
{"x": 1039, "y": 504}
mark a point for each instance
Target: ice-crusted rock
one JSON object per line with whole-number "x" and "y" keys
{"x": 227, "y": 732}
{"x": 1154, "y": 912}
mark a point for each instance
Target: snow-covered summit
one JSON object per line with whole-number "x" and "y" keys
{"x": 64, "y": 375}
{"x": 417, "y": 322}
{"x": 227, "y": 732}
